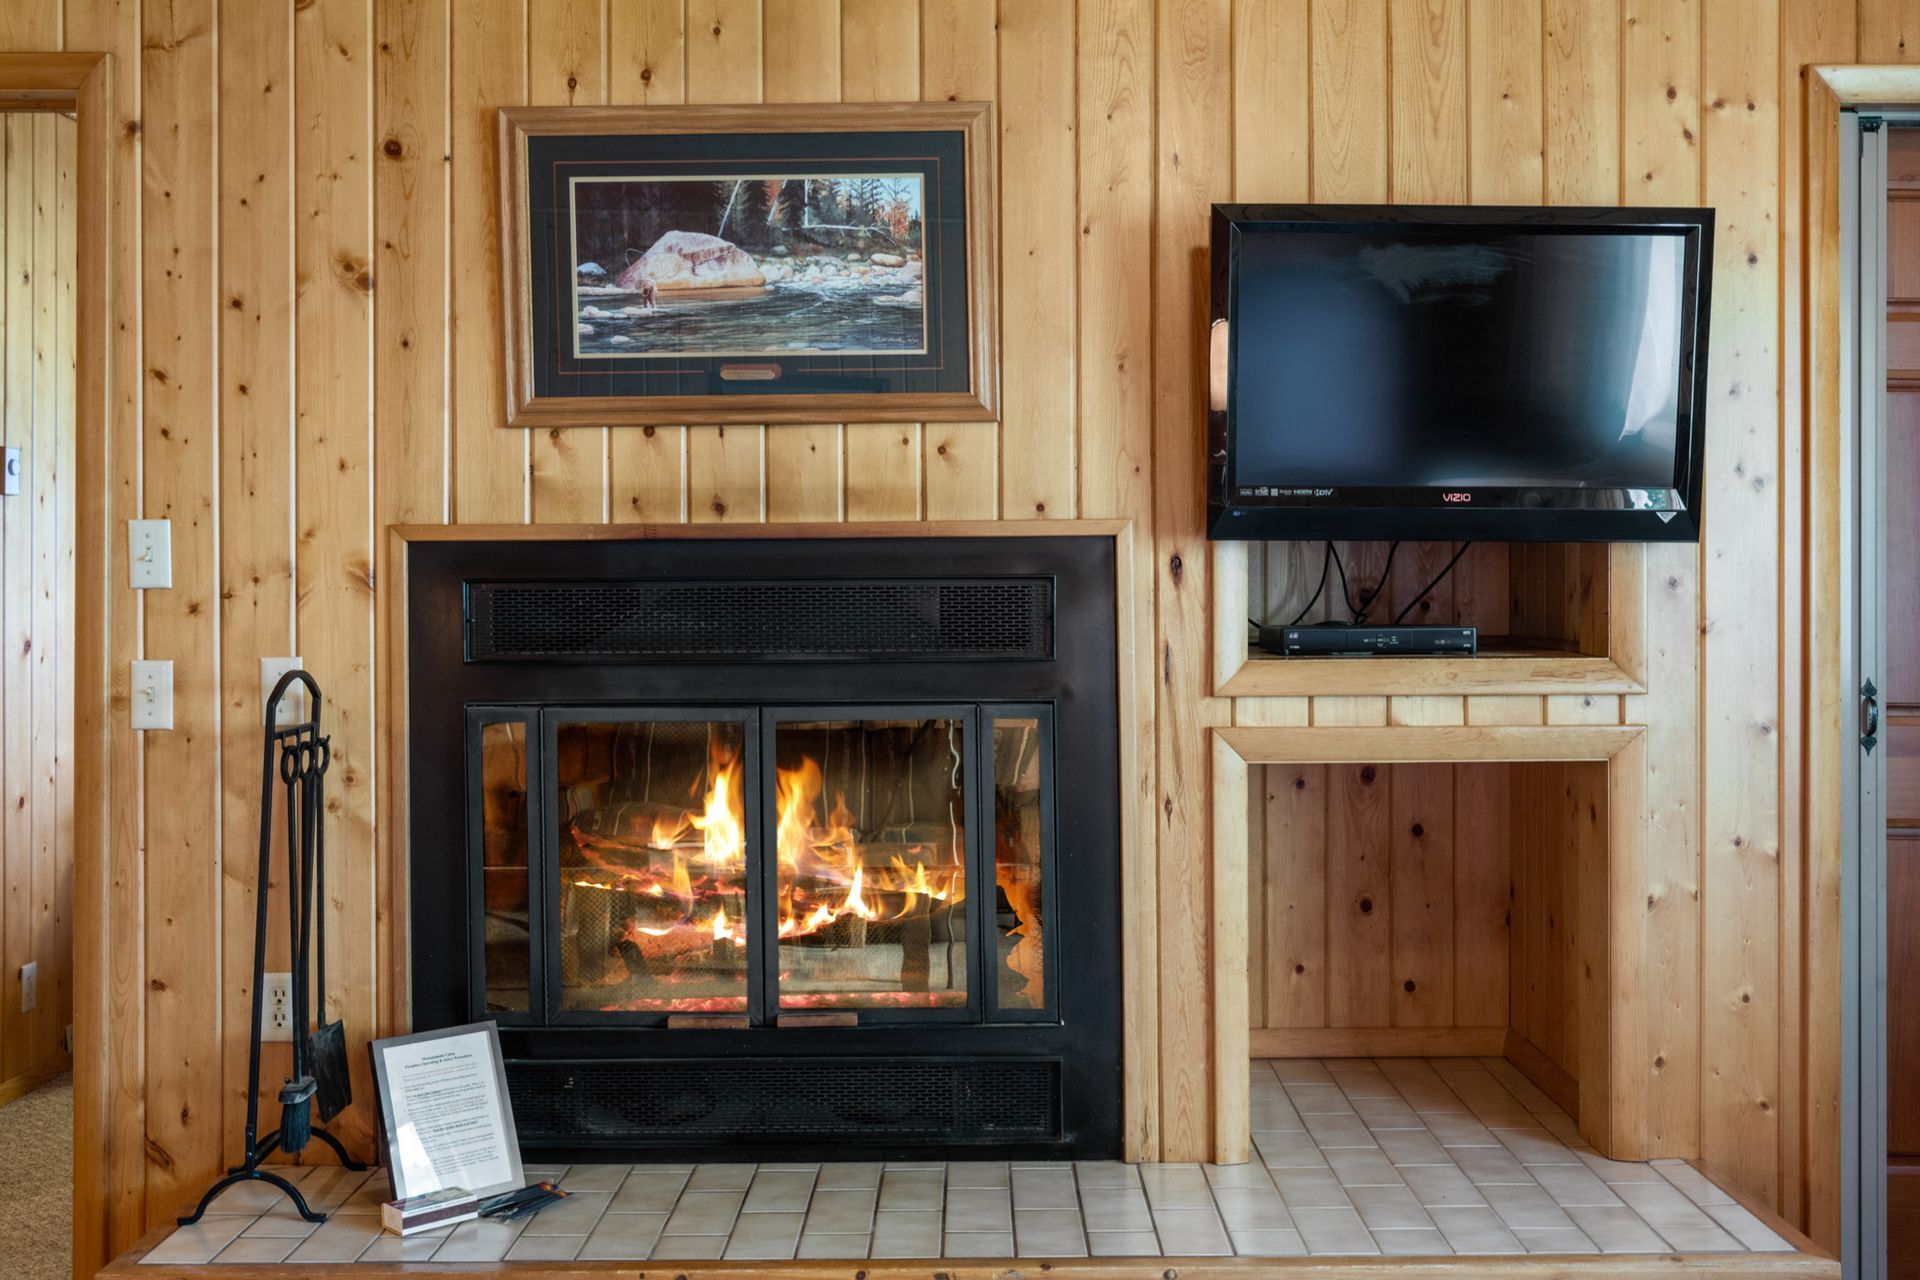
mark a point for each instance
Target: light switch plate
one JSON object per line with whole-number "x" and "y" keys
{"x": 153, "y": 694}
{"x": 293, "y": 704}
{"x": 149, "y": 554}
{"x": 29, "y": 986}
{"x": 10, "y": 472}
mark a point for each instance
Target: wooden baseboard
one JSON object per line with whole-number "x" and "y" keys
{"x": 1376, "y": 1042}
{"x": 26, "y": 1082}
{"x": 1552, "y": 1078}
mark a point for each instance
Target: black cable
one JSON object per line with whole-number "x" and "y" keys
{"x": 1444, "y": 570}
{"x": 1346, "y": 592}
{"x": 1386, "y": 571}
{"x": 1325, "y": 560}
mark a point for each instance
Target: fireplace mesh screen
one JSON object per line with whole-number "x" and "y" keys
{"x": 787, "y": 1098}
{"x": 978, "y": 618}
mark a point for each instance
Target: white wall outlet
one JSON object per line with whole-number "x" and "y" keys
{"x": 149, "y": 554}
{"x": 153, "y": 694}
{"x": 293, "y": 705}
{"x": 276, "y": 1007}
{"x": 29, "y": 987}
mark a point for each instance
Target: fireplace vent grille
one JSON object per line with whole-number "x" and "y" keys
{"x": 948, "y": 1101}
{"x": 738, "y": 621}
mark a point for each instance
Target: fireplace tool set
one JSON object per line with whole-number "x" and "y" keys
{"x": 297, "y": 757}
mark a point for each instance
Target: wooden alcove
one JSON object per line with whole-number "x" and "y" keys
{"x": 1440, "y": 891}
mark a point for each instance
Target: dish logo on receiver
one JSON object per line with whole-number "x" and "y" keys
{"x": 1456, "y": 497}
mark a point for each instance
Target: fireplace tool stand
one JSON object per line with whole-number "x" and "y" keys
{"x": 299, "y": 757}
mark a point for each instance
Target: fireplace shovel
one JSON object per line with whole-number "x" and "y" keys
{"x": 327, "y": 1049}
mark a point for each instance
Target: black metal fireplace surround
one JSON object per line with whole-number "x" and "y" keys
{"x": 781, "y": 848}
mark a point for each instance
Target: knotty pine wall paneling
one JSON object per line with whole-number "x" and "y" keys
{"x": 36, "y": 595}
{"x": 306, "y": 238}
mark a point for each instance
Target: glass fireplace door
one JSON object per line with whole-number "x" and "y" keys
{"x": 869, "y": 884}
{"x": 650, "y": 831}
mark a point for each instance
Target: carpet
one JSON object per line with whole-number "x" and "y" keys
{"x": 36, "y": 1184}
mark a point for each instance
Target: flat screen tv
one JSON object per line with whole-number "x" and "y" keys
{"x": 1453, "y": 373}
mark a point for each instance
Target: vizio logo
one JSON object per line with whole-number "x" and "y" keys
{"x": 1456, "y": 497}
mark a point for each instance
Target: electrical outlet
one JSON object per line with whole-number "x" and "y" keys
{"x": 153, "y": 694}
{"x": 29, "y": 987}
{"x": 276, "y": 1007}
{"x": 293, "y": 703}
{"x": 149, "y": 554}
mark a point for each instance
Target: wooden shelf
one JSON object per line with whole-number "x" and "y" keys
{"x": 1537, "y": 671}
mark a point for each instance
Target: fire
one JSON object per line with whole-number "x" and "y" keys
{"x": 722, "y": 826}
{"x": 825, "y": 876}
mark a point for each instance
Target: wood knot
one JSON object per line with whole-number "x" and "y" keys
{"x": 1366, "y": 906}
{"x": 1367, "y": 775}
{"x": 393, "y": 148}
{"x": 1176, "y": 567}
{"x": 1299, "y": 784}
{"x": 1408, "y": 985}
{"x": 1299, "y": 968}
{"x": 1418, "y": 830}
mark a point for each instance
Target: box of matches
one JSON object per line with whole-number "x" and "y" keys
{"x": 435, "y": 1209}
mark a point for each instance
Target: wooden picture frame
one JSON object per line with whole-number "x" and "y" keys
{"x": 947, "y": 272}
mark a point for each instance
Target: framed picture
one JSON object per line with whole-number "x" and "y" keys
{"x": 447, "y": 1117}
{"x": 757, "y": 264}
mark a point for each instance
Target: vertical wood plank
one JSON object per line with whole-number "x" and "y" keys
{"x": 1582, "y": 79}
{"x": 646, "y": 55}
{"x": 29, "y": 26}
{"x": 1359, "y": 938}
{"x": 1350, "y": 95}
{"x": 1421, "y": 889}
{"x": 880, "y": 62}
{"x": 256, "y": 502}
{"x": 44, "y": 1035}
{"x": 1503, "y": 48}
{"x": 109, "y": 1085}
{"x": 1232, "y": 1105}
{"x": 333, "y": 423}
{"x": 1740, "y": 979}
{"x": 66, "y": 473}
{"x": 490, "y": 462}
{"x": 16, "y": 594}
{"x": 183, "y": 1082}
{"x": 565, "y": 48}
{"x": 726, "y": 466}
{"x": 1194, "y": 77}
{"x": 1259, "y": 954}
{"x": 1038, "y": 177}
{"x": 1427, "y": 79}
{"x": 804, "y": 462}
{"x": 1812, "y": 32}
{"x": 1660, "y": 130}
{"x": 1889, "y": 32}
{"x": 412, "y": 480}
{"x": 959, "y": 62}
{"x": 1272, "y": 132}
{"x": 1297, "y": 898}
{"x": 1115, "y": 65}
{"x": 1483, "y": 878}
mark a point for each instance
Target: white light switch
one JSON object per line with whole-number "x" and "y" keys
{"x": 149, "y": 554}
{"x": 153, "y": 694}
{"x": 29, "y": 987}
{"x": 293, "y": 704}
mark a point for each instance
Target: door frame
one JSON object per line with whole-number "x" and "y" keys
{"x": 1841, "y": 1029}
{"x": 82, "y": 83}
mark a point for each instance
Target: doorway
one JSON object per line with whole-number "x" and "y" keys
{"x": 38, "y": 275}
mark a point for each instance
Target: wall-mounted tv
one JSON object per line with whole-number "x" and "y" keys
{"x": 1439, "y": 372}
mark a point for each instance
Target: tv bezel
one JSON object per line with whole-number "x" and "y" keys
{"x": 1495, "y": 513}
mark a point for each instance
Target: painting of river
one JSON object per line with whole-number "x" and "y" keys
{"x": 747, "y": 265}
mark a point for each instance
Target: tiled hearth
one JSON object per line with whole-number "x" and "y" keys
{"x": 1395, "y": 1156}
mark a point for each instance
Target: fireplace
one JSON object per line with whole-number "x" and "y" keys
{"x": 760, "y": 845}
